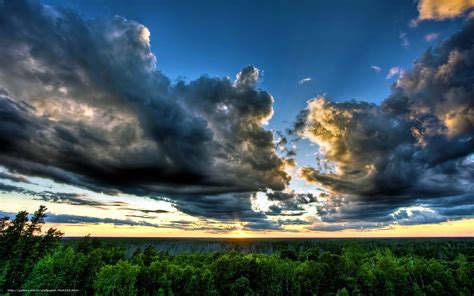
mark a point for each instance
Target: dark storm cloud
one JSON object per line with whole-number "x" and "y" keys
{"x": 226, "y": 207}
{"x": 248, "y": 77}
{"x": 356, "y": 213}
{"x": 284, "y": 145}
{"x": 131, "y": 127}
{"x": 12, "y": 188}
{"x": 416, "y": 149}
{"x": 148, "y": 211}
{"x": 279, "y": 195}
{"x": 69, "y": 198}
{"x": 289, "y": 204}
{"x": 13, "y": 177}
{"x": 78, "y": 199}
{"x": 288, "y": 196}
{"x": 83, "y": 103}
{"x": 62, "y": 197}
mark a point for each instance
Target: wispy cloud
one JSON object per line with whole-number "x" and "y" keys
{"x": 404, "y": 39}
{"x": 395, "y": 71}
{"x": 305, "y": 80}
{"x": 413, "y": 23}
{"x": 431, "y": 37}
{"x": 377, "y": 69}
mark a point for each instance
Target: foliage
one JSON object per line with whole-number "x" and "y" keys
{"x": 118, "y": 279}
{"x": 339, "y": 267}
{"x": 22, "y": 244}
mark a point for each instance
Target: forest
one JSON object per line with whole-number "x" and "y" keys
{"x": 37, "y": 262}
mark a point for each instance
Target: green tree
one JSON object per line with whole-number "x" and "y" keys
{"x": 118, "y": 279}
{"x": 241, "y": 286}
{"x": 342, "y": 292}
{"x": 64, "y": 269}
{"x": 22, "y": 243}
{"x": 309, "y": 276}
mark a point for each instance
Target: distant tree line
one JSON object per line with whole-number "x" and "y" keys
{"x": 33, "y": 261}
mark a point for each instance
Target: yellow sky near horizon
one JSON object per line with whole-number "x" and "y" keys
{"x": 459, "y": 228}
{"x": 208, "y": 228}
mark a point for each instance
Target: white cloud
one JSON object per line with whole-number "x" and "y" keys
{"x": 431, "y": 37}
{"x": 305, "y": 80}
{"x": 404, "y": 39}
{"x": 377, "y": 69}
{"x": 413, "y": 23}
{"x": 395, "y": 71}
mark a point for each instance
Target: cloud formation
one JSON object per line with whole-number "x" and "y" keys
{"x": 305, "y": 80}
{"x": 82, "y": 102}
{"x": 395, "y": 71}
{"x": 416, "y": 148}
{"x": 376, "y": 69}
{"x": 404, "y": 40}
{"x": 443, "y": 9}
{"x": 431, "y": 37}
{"x": 76, "y": 219}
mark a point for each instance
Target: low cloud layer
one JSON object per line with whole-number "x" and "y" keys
{"x": 416, "y": 148}
{"x": 76, "y": 219}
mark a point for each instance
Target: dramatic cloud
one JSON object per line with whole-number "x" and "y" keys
{"x": 226, "y": 207}
{"x": 13, "y": 177}
{"x": 229, "y": 208}
{"x": 83, "y": 103}
{"x": 416, "y": 149}
{"x": 77, "y": 199}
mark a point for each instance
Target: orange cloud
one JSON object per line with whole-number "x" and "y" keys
{"x": 443, "y": 9}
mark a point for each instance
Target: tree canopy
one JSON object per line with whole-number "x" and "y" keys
{"x": 40, "y": 261}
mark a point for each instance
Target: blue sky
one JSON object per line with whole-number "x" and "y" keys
{"x": 106, "y": 137}
{"x": 334, "y": 43}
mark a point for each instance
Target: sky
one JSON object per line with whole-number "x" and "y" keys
{"x": 239, "y": 118}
